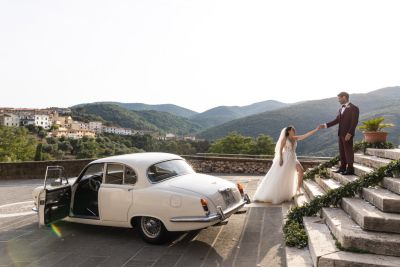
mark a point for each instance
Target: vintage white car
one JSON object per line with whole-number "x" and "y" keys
{"x": 157, "y": 193}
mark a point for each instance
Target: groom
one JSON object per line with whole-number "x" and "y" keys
{"x": 347, "y": 119}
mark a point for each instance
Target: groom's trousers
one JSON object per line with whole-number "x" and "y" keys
{"x": 346, "y": 153}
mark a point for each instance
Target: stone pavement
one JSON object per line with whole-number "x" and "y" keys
{"x": 251, "y": 238}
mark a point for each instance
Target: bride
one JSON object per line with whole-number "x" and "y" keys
{"x": 281, "y": 182}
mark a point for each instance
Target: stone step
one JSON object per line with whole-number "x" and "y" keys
{"x": 324, "y": 251}
{"x": 312, "y": 189}
{"x": 393, "y": 154}
{"x": 349, "y": 259}
{"x": 320, "y": 241}
{"x": 327, "y": 184}
{"x": 351, "y": 236}
{"x": 383, "y": 199}
{"x": 343, "y": 179}
{"x": 393, "y": 184}
{"x": 371, "y": 161}
{"x": 361, "y": 170}
{"x": 369, "y": 217}
{"x": 301, "y": 199}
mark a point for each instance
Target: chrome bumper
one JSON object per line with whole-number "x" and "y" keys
{"x": 221, "y": 215}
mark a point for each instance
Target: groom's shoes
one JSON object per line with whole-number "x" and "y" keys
{"x": 349, "y": 172}
{"x": 340, "y": 170}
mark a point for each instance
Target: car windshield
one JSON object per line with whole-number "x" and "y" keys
{"x": 167, "y": 169}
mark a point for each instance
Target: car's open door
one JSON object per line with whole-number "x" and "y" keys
{"x": 55, "y": 199}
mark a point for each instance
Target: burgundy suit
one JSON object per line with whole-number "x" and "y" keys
{"x": 347, "y": 124}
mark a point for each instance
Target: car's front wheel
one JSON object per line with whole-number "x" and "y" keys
{"x": 152, "y": 230}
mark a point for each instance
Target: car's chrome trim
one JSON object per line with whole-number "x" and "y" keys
{"x": 35, "y": 209}
{"x": 219, "y": 216}
{"x": 247, "y": 199}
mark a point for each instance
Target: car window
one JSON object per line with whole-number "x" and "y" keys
{"x": 114, "y": 174}
{"x": 94, "y": 171}
{"x": 130, "y": 176}
{"x": 167, "y": 169}
{"x": 55, "y": 177}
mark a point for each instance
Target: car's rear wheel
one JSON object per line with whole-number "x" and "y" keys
{"x": 152, "y": 230}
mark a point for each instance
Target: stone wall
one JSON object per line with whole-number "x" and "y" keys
{"x": 37, "y": 169}
{"x": 237, "y": 165}
{"x": 203, "y": 164}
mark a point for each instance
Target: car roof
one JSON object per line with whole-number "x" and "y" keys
{"x": 144, "y": 159}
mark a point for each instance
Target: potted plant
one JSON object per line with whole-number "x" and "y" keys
{"x": 372, "y": 130}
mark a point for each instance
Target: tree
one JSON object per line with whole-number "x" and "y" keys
{"x": 88, "y": 148}
{"x": 49, "y": 148}
{"x": 233, "y": 143}
{"x": 51, "y": 140}
{"x": 264, "y": 145}
{"x": 65, "y": 146}
{"x": 42, "y": 134}
{"x": 238, "y": 144}
{"x": 200, "y": 146}
{"x": 185, "y": 148}
{"x": 16, "y": 144}
{"x": 38, "y": 153}
{"x": 54, "y": 127}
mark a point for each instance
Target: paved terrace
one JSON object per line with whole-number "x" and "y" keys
{"x": 251, "y": 238}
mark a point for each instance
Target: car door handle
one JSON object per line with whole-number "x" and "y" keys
{"x": 130, "y": 189}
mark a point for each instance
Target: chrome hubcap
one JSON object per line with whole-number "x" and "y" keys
{"x": 151, "y": 226}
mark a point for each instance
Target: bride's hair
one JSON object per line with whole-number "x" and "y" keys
{"x": 287, "y": 130}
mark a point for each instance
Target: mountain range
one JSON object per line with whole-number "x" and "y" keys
{"x": 222, "y": 114}
{"x": 266, "y": 117}
{"x": 307, "y": 115}
{"x": 206, "y": 119}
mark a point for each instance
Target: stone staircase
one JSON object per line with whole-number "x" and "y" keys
{"x": 366, "y": 227}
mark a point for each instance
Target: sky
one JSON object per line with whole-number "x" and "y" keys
{"x": 196, "y": 54}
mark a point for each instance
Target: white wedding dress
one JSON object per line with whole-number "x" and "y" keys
{"x": 280, "y": 183}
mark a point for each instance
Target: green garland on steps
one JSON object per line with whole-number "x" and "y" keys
{"x": 310, "y": 174}
{"x": 362, "y": 146}
{"x": 294, "y": 232}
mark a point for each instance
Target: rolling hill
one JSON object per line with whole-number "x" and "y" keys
{"x": 307, "y": 115}
{"x": 222, "y": 114}
{"x": 206, "y": 119}
{"x": 170, "y": 108}
{"x": 113, "y": 114}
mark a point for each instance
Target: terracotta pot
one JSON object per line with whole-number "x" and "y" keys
{"x": 375, "y": 137}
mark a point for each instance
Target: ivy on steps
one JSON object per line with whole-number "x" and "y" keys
{"x": 362, "y": 146}
{"x": 321, "y": 168}
{"x": 294, "y": 232}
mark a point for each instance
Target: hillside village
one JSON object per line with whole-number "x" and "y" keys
{"x": 59, "y": 123}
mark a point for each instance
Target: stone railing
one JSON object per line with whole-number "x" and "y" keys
{"x": 202, "y": 164}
